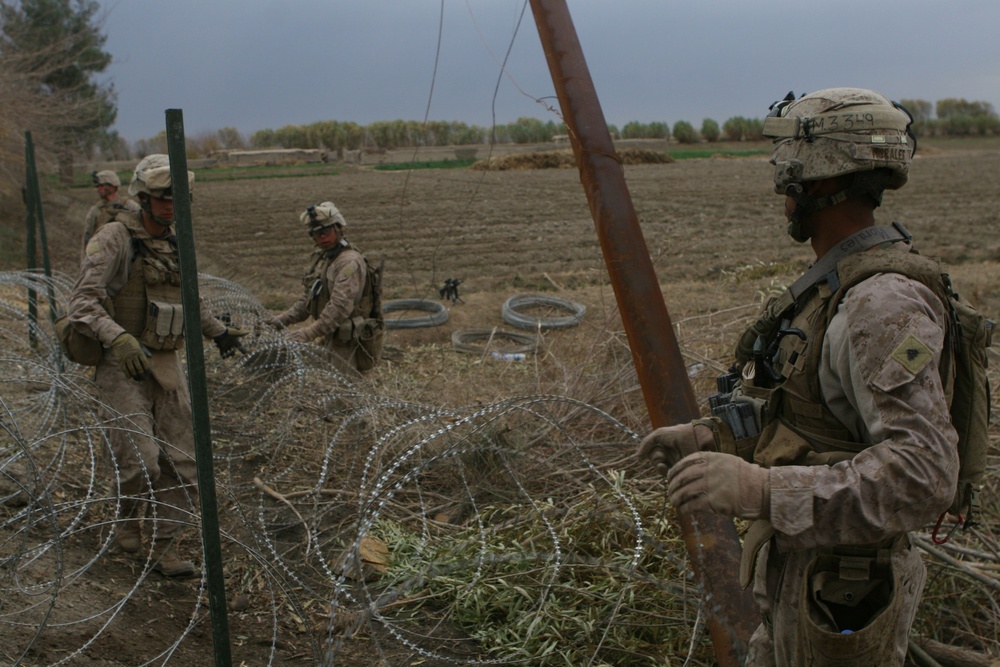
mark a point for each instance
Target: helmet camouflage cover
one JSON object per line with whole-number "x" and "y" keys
{"x": 323, "y": 214}
{"x": 106, "y": 177}
{"x": 152, "y": 176}
{"x": 839, "y": 131}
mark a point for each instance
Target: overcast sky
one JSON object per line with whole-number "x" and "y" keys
{"x": 259, "y": 64}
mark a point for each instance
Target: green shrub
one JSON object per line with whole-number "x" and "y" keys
{"x": 685, "y": 133}
{"x": 710, "y": 130}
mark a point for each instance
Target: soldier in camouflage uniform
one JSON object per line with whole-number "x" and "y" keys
{"x": 109, "y": 206}
{"x": 833, "y": 432}
{"x": 334, "y": 291}
{"x": 128, "y": 297}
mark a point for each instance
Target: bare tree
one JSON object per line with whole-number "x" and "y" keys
{"x": 50, "y": 51}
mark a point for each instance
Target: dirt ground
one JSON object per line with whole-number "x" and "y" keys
{"x": 713, "y": 228}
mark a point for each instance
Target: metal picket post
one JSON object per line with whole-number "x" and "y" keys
{"x": 198, "y": 387}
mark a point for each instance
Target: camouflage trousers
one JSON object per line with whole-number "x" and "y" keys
{"x": 798, "y": 627}
{"x": 152, "y": 445}
{"x": 343, "y": 354}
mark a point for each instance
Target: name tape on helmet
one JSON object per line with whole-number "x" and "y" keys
{"x": 799, "y": 127}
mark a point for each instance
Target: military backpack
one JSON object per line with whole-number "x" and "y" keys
{"x": 372, "y": 336}
{"x": 968, "y": 335}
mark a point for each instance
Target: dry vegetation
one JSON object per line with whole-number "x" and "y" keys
{"x": 486, "y": 467}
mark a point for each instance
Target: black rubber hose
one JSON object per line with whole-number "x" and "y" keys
{"x": 438, "y": 314}
{"x": 516, "y": 319}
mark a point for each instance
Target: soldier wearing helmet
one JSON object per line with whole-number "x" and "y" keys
{"x": 110, "y": 205}
{"x": 128, "y": 297}
{"x": 831, "y": 432}
{"x": 339, "y": 294}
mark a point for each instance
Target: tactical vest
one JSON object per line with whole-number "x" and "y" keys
{"x": 149, "y": 306}
{"x": 108, "y": 213}
{"x": 318, "y": 289}
{"x": 797, "y": 401}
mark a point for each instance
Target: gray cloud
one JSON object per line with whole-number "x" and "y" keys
{"x": 256, "y": 64}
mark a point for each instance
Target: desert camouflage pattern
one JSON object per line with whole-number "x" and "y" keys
{"x": 107, "y": 177}
{"x": 101, "y": 214}
{"x": 333, "y": 288}
{"x": 781, "y": 640}
{"x": 322, "y": 214}
{"x": 104, "y": 273}
{"x": 154, "y": 444}
{"x": 878, "y": 374}
{"x": 152, "y": 176}
{"x": 839, "y": 131}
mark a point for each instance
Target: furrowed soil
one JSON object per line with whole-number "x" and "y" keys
{"x": 715, "y": 233}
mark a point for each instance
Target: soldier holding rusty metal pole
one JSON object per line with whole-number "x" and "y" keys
{"x": 832, "y": 433}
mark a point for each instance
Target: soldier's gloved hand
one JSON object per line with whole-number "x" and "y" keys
{"x": 720, "y": 483}
{"x": 298, "y": 336}
{"x": 665, "y": 446}
{"x": 229, "y": 341}
{"x": 273, "y": 322}
{"x": 131, "y": 357}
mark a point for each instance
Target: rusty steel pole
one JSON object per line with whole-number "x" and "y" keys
{"x": 710, "y": 539}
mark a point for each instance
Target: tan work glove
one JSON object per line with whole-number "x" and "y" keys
{"x": 299, "y": 336}
{"x": 131, "y": 357}
{"x": 273, "y": 321}
{"x": 720, "y": 483}
{"x": 229, "y": 341}
{"x": 665, "y": 446}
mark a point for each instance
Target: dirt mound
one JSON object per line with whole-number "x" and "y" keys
{"x": 563, "y": 159}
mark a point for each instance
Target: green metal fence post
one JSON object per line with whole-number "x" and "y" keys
{"x": 33, "y": 197}
{"x": 198, "y": 386}
{"x": 30, "y": 198}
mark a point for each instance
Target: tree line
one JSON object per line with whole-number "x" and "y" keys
{"x": 947, "y": 117}
{"x": 341, "y": 136}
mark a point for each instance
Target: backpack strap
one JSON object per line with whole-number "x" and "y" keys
{"x": 762, "y": 332}
{"x": 826, "y": 267}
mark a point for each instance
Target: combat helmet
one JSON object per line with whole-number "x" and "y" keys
{"x": 105, "y": 177}
{"x": 322, "y": 215}
{"x": 834, "y": 132}
{"x": 152, "y": 176}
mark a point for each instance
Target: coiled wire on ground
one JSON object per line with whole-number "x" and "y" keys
{"x": 522, "y": 321}
{"x": 438, "y": 313}
{"x": 470, "y": 340}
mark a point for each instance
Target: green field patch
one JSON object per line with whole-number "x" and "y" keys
{"x": 435, "y": 164}
{"x": 688, "y": 153}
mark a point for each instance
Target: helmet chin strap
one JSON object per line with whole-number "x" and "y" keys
{"x": 148, "y": 210}
{"x": 805, "y": 207}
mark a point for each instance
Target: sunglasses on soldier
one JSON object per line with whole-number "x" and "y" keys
{"x": 316, "y": 232}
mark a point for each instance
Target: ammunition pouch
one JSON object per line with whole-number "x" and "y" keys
{"x": 851, "y": 604}
{"x": 164, "y": 328}
{"x": 367, "y": 334}
{"x": 349, "y": 331}
{"x": 740, "y": 414}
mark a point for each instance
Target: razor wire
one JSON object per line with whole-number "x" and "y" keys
{"x": 348, "y": 514}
